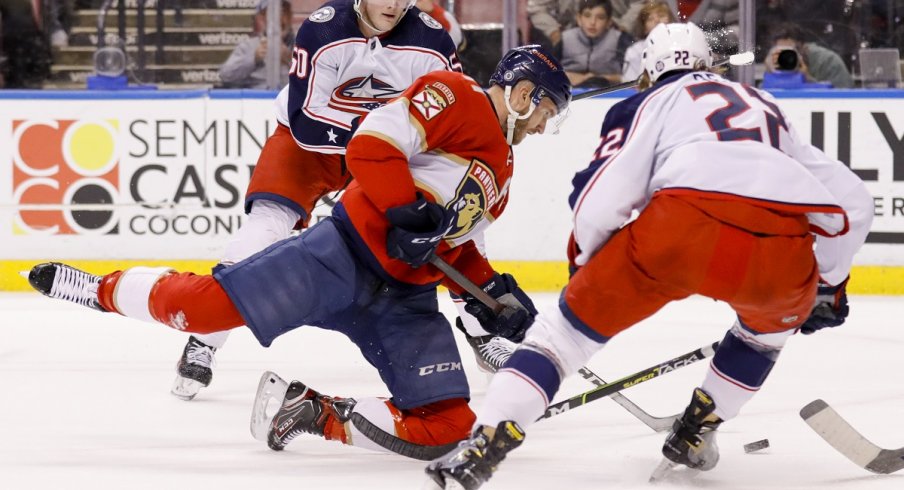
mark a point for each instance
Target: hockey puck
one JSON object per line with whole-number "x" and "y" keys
{"x": 756, "y": 446}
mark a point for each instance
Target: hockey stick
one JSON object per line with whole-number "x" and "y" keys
{"x": 740, "y": 59}
{"x": 631, "y": 380}
{"x": 845, "y": 439}
{"x": 658, "y": 424}
{"x": 417, "y": 451}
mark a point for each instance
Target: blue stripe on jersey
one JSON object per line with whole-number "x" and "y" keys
{"x": 619, "y": 118}
{"x": 578, "y": 324}
{"x": 537, "y": 368}
{"x": 742, "y": 363}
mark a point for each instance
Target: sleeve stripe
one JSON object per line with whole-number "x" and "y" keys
{"x": 312, "y": 85}
{"x": 382, "y": 137}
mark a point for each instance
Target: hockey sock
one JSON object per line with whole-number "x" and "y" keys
{"x": 267, "y": 223}
{"x": 739, "y": 368}
{"x": 434, "y": 424}
{"x": 183, "y": 301}
{"x": 215, "y": 340}
{"x": 521, "y": 391}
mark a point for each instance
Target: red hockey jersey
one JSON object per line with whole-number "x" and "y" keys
{"x": 442, "y": 138}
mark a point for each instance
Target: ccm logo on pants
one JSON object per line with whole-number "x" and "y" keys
{"x": 438, "y": 368}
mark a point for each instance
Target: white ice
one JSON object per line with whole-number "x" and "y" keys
{"x": 85, "y": 404}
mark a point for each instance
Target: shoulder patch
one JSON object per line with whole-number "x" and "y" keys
{"x": 430, "y": 102}
{"x": 430, "y": 21}
{"x": 446, "y": 91}
{"x": 323, "y": 14}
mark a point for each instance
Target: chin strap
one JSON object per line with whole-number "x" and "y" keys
{"x": 512, "y": 117}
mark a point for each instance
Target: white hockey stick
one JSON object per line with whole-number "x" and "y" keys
{"x": 658, "y": 424}
{"x": 845, "y": 439}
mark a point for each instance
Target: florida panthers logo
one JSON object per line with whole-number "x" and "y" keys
{"x": 362, "y": 94}
{"x": 476, "y": 193}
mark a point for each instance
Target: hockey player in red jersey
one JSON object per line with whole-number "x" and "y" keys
{"x": 431, "y": 172}
{"x": 349, "y": 58}
{"x": 731, "y": 201}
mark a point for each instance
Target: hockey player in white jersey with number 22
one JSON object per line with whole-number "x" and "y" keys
{"x": 731, "y": 201}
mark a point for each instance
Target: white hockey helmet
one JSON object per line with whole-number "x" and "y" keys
{"x": 357, "y": 6}
{"x": 673, "y": 47}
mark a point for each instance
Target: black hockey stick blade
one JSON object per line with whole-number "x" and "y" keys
{"x": 399, "y": 446}
{"x": 826, "y": 422}
{"x": 631, "y": 380}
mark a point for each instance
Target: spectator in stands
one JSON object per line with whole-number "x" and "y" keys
{"x": 548, "y": 19}
{"x": 651, "y": 15}
{"x": 245, "y": 67}
{"x": 719, "y": 18}
{"x": 789, "y": 53}
{"x": 445, "y": 18}
{"x": 59, "y": 21}
{"x": 593, "y": 52}
{"x": 24, "y": 46}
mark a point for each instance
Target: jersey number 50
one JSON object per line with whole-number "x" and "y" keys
{"x": 299, "y": 66}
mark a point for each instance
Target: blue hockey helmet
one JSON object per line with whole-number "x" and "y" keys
{"x": 535, "y": 64}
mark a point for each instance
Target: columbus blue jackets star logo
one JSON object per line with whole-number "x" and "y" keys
{"x": 363, "y": 94}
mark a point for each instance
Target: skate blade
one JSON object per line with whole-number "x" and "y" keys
{"x": 670, "y": 472}
{"x": 430, "y": 484}
{"x": 185, "y": 388}
{"x": 270, "y": 388}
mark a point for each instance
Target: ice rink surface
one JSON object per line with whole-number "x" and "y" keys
{"x": 86, "y": 405}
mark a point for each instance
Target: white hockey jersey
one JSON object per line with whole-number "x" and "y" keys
{"x": 704, "y": 134}
{"x": 337, "y": 75}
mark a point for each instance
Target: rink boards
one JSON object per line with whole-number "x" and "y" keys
{"x": 110, "y": 180}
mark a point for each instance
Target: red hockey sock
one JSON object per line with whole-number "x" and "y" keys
{"x": 193, "y": 303}
{"x": 438, "y": 423}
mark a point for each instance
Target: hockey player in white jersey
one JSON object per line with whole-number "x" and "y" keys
{"x": 731, "y": 202}
{"x": 349, "y": 57}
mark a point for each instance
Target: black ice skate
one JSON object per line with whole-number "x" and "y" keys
{"x": 692, "y": 441}
{"x": 304, "y": 410}
{"x": 491, "y": 352}
{"x": 193, "y": 371}
{"x": 474, "y": 461}
{"x": 60, "y": 281}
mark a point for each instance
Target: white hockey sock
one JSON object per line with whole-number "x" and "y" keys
{"x": 267, "y": 223}
{"x": 375, "y": 411}
{"x": 511, "y": 397}
{"x": 133, "y": 291}
{"x": 215, "y": 340}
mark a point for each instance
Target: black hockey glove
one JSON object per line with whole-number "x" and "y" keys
{"x": 417, "y": 229}
{"x": 831, "y": 308}
{"x": 518, "y": 312}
